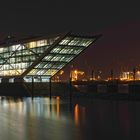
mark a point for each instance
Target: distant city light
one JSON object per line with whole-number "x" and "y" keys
{"x": 129, "y": 75}
{"x": 75, "y": 74}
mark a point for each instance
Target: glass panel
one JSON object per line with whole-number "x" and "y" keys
{"x": 51, "y": 72}
{"x": 1, "y": 50}
{"x": 81, "y": 42}
{"x": 40, "y": 43}
{"x": 33, "y": 71}
{"x": 41, "y": 65}
{"x": 56, "y": 50}
{"x": 65, "y": 41}
{"x": 58, "y": 65}
{"x": 48, "y": 65}
{"x": 48, "y": 58}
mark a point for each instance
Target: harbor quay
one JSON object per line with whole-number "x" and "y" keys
{"x": 111, "y": 89}
{"x": 94, "y": 89}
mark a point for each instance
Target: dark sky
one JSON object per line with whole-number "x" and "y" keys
{"x": 118, "y": 21}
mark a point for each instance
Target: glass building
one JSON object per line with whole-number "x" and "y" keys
{"x": 40, "y": 57}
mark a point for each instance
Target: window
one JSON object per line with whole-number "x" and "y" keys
{"x": 65, "y": 41}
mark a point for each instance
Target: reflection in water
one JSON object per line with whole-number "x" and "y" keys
{"x": 124, "y": 118}
{"x": 58, "y": 106}
{"x": 37, "y": 119}
{"x": 79, "y": 115}
{"x": 76, "y": 114}
{"x": 42, "y": 118}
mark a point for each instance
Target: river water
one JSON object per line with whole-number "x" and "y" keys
{"x": 57, "y": 119}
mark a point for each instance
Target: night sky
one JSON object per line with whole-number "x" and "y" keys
{"x": 119, "y": 22}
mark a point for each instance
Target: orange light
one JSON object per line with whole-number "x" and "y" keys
{"x": 76, "y": 114}
{"x": 58, "y": 106}
{"x": 61, "y": 72}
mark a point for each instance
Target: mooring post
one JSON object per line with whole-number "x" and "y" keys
{"x": 50, "y": 88}
{"x": 32, "y": 87}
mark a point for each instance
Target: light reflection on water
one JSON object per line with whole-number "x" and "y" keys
{"x": 42, "y": 118}
{"x": 39, "y": 107}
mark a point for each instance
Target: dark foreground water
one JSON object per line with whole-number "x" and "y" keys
{"x": 56, "y": 119}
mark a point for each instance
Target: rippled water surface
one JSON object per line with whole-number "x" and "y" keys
{"x": 57, "y": 119}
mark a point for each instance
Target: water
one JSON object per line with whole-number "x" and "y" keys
{"x": 57, "y": 119}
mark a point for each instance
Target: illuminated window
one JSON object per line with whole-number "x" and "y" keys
{"x": 65, "y": 41}
{"x": 80, "y": 42}
{"x": 42, "y": 43}
{"x": 50, "y": 72}
{"x": 47, "y": 58}
{"x": 32, "y": 45}
{"x": 1, "y": 50}
{"x": 56, "y": 50}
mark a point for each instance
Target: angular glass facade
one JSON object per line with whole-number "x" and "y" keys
{"x": 41, "y": 58}
{"x": 15, "y": 59}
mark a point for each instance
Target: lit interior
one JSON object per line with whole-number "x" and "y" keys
{"x": 16, "y": 59}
